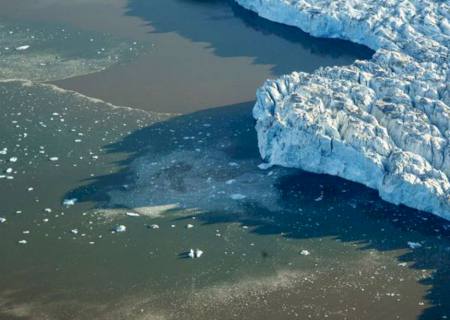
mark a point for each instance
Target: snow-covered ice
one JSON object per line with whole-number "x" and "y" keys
{"x": 414, "y": 245}
{"x": 69, "y": 202}
{"x": 197, "y": 253}
{"x": 23, "y": 48}
{"x": 132, "y": 214}
{"x": 305, "y": 252}
{"x": 237, "y": 196}
{"x": 383, "y": 122}
{"x": 120, "y": 228}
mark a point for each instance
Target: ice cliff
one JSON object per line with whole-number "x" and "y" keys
{"x": 384, "y": 123}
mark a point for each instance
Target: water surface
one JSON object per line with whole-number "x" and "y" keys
{"x": 278, "y": 243}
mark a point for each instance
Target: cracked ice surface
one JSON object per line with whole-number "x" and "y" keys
{"x": 384, "y": 122}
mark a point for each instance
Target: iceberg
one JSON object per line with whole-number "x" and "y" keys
{"x": 383, "y": 122}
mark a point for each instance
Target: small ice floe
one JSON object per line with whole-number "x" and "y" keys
{"x": 30, "y": 189}
{"x": 4, "y": 151}
{"x": 264, "y": 166}
{"x": 2, "y": 220}
{"x": 48, "y": 210}
{"x": 120, "y": 228}
{"x": 133, "y": 214}
{"x": 402, "y": 264}
{"x": 154, "y": 226}
{"x": 237, "y": 196}
{"x": 53, "y": 159}
{"x": 193, "y": 254}
{"x": 305, "y": 252}
{"x": 69, "y": 202}
{"x": 319, "y": 198}
{"x": 189, "y": 226}
{"x": 22, "y": 48}
{"x": 414, "y": 245}
{"x": 13, "y": 159}
{"x": 22, "y": 241}
{"x": 74, "y": 231}
{"x": 26, "y": 231}
{"x": 9, "y": 170}
{"x": 231, "y": 181}
{"x": 233, "y": 164}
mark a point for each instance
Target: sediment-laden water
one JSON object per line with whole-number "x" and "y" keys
{"x": 277, "y": 243}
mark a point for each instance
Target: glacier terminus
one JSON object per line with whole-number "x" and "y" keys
{"x": 383, "y": 122}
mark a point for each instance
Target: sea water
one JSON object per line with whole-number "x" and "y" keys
{"x": 277, "y": 243}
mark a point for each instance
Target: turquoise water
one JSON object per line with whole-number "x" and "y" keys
{"x": 277, "y": 243}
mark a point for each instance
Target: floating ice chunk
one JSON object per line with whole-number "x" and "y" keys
{"x": 4, "y": 151}
{"x": 233, "y": 164}
{"x": 319, "y": 198}
{"x": 48, "y": 210}
{"x": 154, "y": 226}
{"x": 2, "y": 220}
{"x": 13, "y": 159}
{"x": 414, "y": 245}
{"x": 9, "y": 170}
{"x": 237, "y": 196}
{"x": 305, "y": 252}
{"x": 53, "y": 158}
{"x": 197, "y": 253}
{"x": 74, "y": 231}
{"x": 231, "y": 181}
{"x": 22, "y": 48}
{"x": 264, "y": 166}
{"x": 30, "y": 189}
{"x": 132, "y": 214}
{"x": 189, "y": 226}
{"x": 22, "y": 241}
{"x": 69, "y": 202}
{"x": 120, "y": 228}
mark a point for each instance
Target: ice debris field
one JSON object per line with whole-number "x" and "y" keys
{"x": 383, "y": 122}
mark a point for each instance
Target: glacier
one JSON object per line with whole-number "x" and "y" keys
{"x": 384, "y": 122}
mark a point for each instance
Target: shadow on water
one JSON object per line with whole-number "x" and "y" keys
{"x": 232, "y": 31}
{"x": 349, "y": 212}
